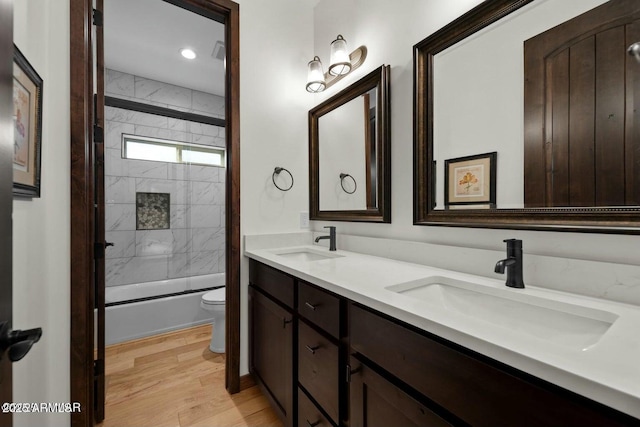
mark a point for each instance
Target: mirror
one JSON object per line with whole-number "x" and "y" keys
{"x": 473, "y": 102}
{"x": 349, "y": 151}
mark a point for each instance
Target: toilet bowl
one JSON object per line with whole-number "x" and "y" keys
{"x": 214, "y": 301}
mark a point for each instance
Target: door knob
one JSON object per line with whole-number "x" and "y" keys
{"x": 17, "y": 342}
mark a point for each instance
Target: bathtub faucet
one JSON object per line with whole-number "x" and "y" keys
{"x": 331, "y": 237}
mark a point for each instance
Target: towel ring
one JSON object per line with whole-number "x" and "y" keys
{"x": 277, "y": 171}
{"x": 355, "y": 184}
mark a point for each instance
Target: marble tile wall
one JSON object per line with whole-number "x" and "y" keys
{"x": 140, "y": 89}
{"x": 194, "y": 244}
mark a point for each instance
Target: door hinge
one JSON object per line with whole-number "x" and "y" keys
{"x": 98, "y": 134}
{"x": 351, "y": 372}
{"x": 98, "y": 18}
{"x": 98, "y": 367}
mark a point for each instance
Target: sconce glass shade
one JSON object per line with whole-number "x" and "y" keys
{"x": 315, "y": 76}
{"x": 634, "y": 50}
{"x": 340, "y": 63}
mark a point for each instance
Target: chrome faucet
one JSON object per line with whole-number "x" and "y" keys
{"x": 331, "y": 237}
{"x": 513, "y": 264}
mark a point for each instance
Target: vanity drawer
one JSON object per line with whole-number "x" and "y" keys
{"x": 320, "y": 308}
{"x": 475, "y": 389}
{"x": 318, "y": 368}
{"x": 273, "y": 282}
{"x": 309, "y": 414}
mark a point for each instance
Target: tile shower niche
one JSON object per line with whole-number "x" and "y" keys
{"x": 153, "y": 211}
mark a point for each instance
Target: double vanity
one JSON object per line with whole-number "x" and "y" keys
{"x": 342, "y": 338}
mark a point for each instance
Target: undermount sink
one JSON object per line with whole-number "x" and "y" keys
{"x": 306, "y": 254}
{"x": 561, "y": 323}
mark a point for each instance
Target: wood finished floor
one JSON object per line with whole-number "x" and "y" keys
{"x": 174, "y": 380}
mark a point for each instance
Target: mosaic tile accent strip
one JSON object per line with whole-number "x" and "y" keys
{"x": 153, "y": 211}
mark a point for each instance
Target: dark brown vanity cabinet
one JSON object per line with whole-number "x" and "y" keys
{"x": 325, "y": 361}
{"x": 271, "y": 332}
{"x": 295, "y": 351}
{"x": 463, "y": 387}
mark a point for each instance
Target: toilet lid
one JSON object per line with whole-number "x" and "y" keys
{"x": 216, "y": 296}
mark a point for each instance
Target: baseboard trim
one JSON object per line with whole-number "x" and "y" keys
{"x": 246, "y": 381}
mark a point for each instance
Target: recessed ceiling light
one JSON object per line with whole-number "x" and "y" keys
{"x": 188, "y": 53}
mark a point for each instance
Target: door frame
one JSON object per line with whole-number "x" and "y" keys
{"x": 6, "y": 193}
{"x": 82, "y": 196}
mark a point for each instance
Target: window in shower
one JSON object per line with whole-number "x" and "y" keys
{"x": 161, "y": 150}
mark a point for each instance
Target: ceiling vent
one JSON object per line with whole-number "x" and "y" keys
{"x": 218, "y": 51}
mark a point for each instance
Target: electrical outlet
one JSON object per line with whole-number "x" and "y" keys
{"x": 304, "y": 219}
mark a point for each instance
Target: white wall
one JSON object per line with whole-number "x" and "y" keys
{"x": 389, "y": 32}
{"x": 41, "y": 226}
{"x": 276, "y": 43}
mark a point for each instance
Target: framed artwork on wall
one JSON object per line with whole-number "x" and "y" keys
{"x": 27, "y": 122}
{"x": 470, "y": 181}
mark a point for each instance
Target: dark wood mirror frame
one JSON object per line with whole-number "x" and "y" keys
{"x": 382, "y": 213}
{"x": 594, "y": 220}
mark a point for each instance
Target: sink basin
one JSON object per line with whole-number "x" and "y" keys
{"x": 306, "y": 254}
{"x": 561, "y": 323}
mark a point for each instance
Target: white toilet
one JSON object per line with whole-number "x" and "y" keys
{"x": 214, "y": 301}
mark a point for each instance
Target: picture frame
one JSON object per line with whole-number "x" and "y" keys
{"x": 470, "y": 181}
{"x": 27, "y": 121}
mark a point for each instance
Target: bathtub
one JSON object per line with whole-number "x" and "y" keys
{"x": 138, "y": 319}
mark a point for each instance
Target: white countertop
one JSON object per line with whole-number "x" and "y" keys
{"x": 607, "y": 372}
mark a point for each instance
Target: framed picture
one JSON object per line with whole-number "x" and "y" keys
{"x": 470, "y": 181}
{"x": 27, "y": 123}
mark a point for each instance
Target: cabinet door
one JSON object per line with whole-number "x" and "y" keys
{"x": 375, "y": 402}
{"x": 271, "y": 348}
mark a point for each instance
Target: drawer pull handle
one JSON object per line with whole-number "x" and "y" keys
{"x": 311, "y": 306}
{"x": 285, "y": 322}
{"x": 310, "y": 424}
{"x": 312, "y": 350}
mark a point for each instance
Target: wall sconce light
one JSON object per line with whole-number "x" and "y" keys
{"x": 341, "y": 64}
{"x": 315, "y": 77}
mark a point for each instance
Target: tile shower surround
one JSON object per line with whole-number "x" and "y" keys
{"x": 194, "y": 244}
